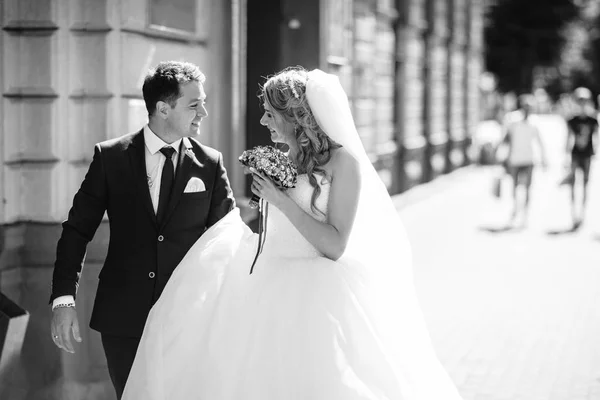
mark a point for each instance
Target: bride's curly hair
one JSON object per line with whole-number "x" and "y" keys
{"x": 285, "y": 93}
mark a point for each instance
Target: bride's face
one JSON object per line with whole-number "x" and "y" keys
{"x": 281, "y": 130}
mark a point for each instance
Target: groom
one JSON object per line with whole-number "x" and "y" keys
{"x": 161, "y": 190}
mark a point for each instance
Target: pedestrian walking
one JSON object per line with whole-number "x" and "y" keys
{"x": 521, "y": 138}
{"x": 582, "y": 141}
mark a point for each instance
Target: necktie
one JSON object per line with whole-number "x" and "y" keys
{"x": 166, "y": 183}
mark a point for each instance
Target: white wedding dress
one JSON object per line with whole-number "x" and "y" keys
{"x": 301, "y": 327}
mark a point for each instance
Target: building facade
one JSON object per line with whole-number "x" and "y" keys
{"x": 71, "y": 74}
{"x": 411, "y": 69}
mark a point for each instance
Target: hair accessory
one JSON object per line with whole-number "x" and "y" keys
{"x": 294, "y": 91}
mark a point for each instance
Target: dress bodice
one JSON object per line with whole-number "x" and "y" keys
{"x": 282, "y": 238}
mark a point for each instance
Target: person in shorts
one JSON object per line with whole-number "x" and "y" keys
{"x": 521, "y": 137}
{"x": 581, "y": 143}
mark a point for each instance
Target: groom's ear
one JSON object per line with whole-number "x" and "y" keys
{"x": 162, "y": 109}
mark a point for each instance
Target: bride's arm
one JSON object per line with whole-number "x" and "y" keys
{"x": 330, "y": 237}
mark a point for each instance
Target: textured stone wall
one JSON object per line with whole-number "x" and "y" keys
{"x": 374, "y": 81}
{"x": 439, "y": 61}
{"x": 71, "y": 74}
{"x": 411, "y": 69}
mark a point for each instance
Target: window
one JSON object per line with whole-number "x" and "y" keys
{"x": 177, "y": 15}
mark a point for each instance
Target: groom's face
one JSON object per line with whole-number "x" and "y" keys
{"x": 185, "y": 118}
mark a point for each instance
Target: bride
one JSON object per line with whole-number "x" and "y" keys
{"x": 330, "y": 311}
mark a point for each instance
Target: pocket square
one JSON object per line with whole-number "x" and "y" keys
{"x": 194, "y": 185}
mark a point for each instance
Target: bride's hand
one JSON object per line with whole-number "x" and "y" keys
{"x": 266, "y": 189}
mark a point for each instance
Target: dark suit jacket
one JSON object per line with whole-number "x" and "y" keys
{"x": 141, "y": 254}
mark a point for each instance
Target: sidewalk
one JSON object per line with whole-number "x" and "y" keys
{"x": 432, "y": 188}
{"x": 515, "y": 314}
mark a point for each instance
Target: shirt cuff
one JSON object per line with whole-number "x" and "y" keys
{"x": 63, "y": 300}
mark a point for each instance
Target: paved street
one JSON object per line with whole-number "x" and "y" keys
{"x": 514, "y": 315}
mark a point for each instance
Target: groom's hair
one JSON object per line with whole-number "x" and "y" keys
{"x": 162, "y": 83}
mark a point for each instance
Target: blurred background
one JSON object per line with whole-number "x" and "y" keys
{"x": 513, "y": 311}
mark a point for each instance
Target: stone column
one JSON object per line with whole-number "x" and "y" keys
{"x": 436, "y": 93}
{"x": 385, "y": 145}
{"x": 458, "y": 144}
{"x": 410, "y": 55}
{"x": 475, "y": 67}
{"x": 336, "y": 51}
{"x": 365, "y": 34}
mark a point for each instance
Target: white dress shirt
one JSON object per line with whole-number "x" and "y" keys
{"x": 155, "y": 161}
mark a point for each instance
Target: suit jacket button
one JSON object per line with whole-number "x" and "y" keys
{"x": 161, "y": 238}
{"x": 151, "y": 275}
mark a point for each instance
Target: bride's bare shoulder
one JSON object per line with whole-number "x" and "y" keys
{"x": 341, "y": 158}
{"x": 343, "y": 164}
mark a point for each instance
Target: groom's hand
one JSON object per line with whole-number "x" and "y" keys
{"x": 64, "y": 321}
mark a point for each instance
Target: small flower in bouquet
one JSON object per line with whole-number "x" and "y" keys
{"x": 272, "y": 162}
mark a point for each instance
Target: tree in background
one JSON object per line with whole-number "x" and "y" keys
{"x": 521, "y": 36}
{"x": 580, "y": 60}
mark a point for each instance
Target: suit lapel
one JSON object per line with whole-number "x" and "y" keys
{"x": 182, "y": 176}
{"x": 137, "y": 157}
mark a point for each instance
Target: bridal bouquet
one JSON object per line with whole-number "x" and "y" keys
{"x": 278, "y": 167}
{"x": 272, "y": 162}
